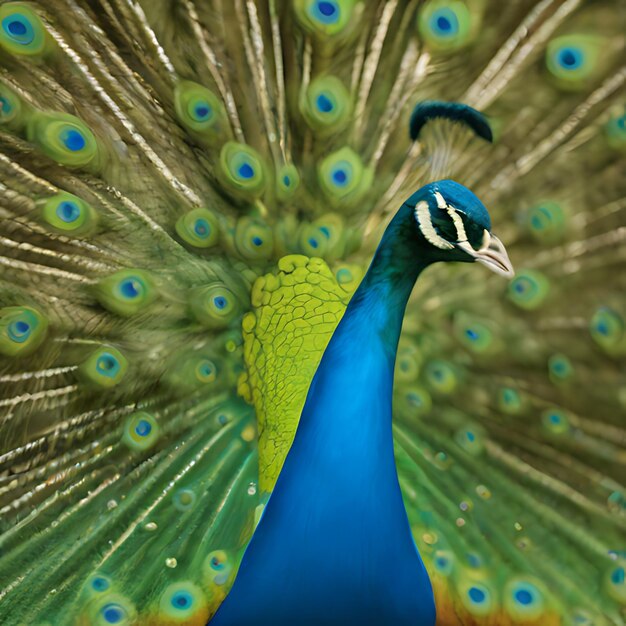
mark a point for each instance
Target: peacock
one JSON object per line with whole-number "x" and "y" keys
{"x": 212, "y": 217}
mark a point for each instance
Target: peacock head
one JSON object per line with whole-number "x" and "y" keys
{"x": 452, "y": 224}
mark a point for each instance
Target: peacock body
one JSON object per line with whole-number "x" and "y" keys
{"x": 191, "y": 195}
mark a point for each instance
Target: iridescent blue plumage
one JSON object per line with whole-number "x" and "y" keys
{"x": 334, "y": 545}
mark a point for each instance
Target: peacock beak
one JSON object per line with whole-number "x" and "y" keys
{"x": 493, "y": 255}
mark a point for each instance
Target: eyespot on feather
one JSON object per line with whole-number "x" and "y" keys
{"x": 200, "y": 111}
{"x": 477, "y": 597}
{"x": 253, "y": 239}
{"x": 326, "y": 105}
{"x": 447, "y": 25}
{"x": 528, "y": 290}
{"x": 22, "y": 330}
{"x": 615, "y": 130}
{"x": 69, "y": 215}
{"x": 109, "y": 609}
{"x": 105, "y": 368}
{"x": 14, "y": 113}
{"x": 214, "y": 306}
{"x": 546, "y": 222}
{"x": 126, "y": 292}
{"x": 287, "y": 182}
{"x": 22, "y": 33}
{"x": 574, "y": 61}
{"x": 524, "y": 599}
{"x": 199, "y": 228}
{"x": 64, "y": 138}
{"x": 182, "y": 602}
{"x": 325, "y": 18}
{"x": 608, "y": 329}
{"x": 343, "y": 177}
{"x": 242, "y": 170}
{"x": 141, "y": 431}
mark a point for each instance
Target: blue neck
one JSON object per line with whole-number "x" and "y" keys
{"x": 336, "y": 520}
{"x": 360, "y": 357}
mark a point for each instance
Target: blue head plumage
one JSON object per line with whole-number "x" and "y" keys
{"x": 443, "y": 221}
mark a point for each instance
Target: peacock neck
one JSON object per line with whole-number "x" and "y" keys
{"x": 373, "y": 318}
{"x": 337, "y": 507}
{"x": 352, "y": 388}
{"x": 380, "y": 301}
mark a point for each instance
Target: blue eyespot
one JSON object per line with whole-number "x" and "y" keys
{"x": 143, "y": 428}
{"x": 325, "y": 12}
{"x": 99, "y": 583}
{"x": 246, "y": 171}
{"x": 130, "y": 288}
{"x": 286, "y": 181}
{"x": 219, "y": 302}
{"x": 202, "y": 111}
{"x": 570, "y": 58}
{"x": 202, "y": 228}
{"x": 474, "y": 560}
{"x": 476, "y": 595}
{"x": 444, "y": 23}
{"x": 107, "y": 365}
{"x": 472, "y": 334}
{"x": 523, "y": 596}
{"x": 182, "y": 600}
{"x": 324, "y": 104}
{"x": 344, "y": 275}
{"x": 340, "y": 177}
{"x": 68, "y": 212}
{"x": 509, "y": 395}
{"x": 602, "y": 328}
{"x": 18, "y": 28}
{"x": 313, "y": 242}
{"x": 414, "y": 399}
{"x": 19, "y": 331}
{"x": 5, "y": 106}
{"x": 113, "y": 613}
{"x": 618, "y": 576}
{"x": 257, "y": 241}
{"x": 73, "y": 140}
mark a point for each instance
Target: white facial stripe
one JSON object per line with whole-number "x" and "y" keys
{"x": 486, "y": 240}
{"x": 458, "y": 224}
{"x": 441, "y": 202}
{"x": 422, "y": 215}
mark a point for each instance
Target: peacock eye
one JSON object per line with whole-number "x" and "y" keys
{"x": 327, "y": 105}
{"x": 141, "y": 431}
{"x": 444, "y": 225}
{"x": 180, "y": 600}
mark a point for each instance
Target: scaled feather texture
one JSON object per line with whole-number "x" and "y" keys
{"x": 192, "y": 190}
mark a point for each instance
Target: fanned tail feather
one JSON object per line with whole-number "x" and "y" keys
{"x": 192, "y": 191}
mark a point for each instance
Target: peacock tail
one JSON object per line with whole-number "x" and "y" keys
{"x": 192, "y": 191}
